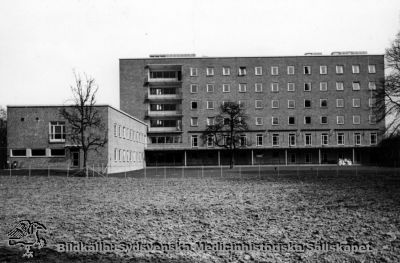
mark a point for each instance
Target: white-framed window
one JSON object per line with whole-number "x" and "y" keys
{"x": 275, "y": 104}
{"x": 307, "y": 139}
{"x": 193, "y": 72}
{"x": 210, "y": 105}
{"x": 242, "y": 140}
{"x": 356, "y": 119}
{"x": 57, "y": 131}
{"x": 307, "y": 120}
{"x": 324, "y": 139}
{"x": 323, "y": 103}
{"x": 120, "y": 155}
{"x": 275, "y": 120}
{"x": 242, "y": 71}
{"x": 357, "y": 138}
{"x": 307, "y": 86}
{"x": 356, "y": 103}
{"x": 259, "y": 121}
{"x": 226, "y": 71}
{"x": 340, "y": 138}
{"x": 339, "y": 69}
{"x": 307, "y": 103}
{"x": 292, "y": 139}
{"x": 274, "y": 86}
{"x": 291, "y": 86}
{"x": 372, "y": 85}
{"x": 373, "y": 138}
{"x": 242, "y": 104}
{"x": 355, "y": 69}
{"x": 356, "y": 85}
{"x": 242, "y": 87}
{"x": 291, "y": 120}
{"x": 195, "y": 141}
{"x": 258, "y": 87}
{"x": 323, "y": 86}
{"x": 210, "y": 88}
{"x": 210, "y": 141}
{"x": 258, "y": 104}
{"x": 372, "y": 119}
{"x": 290, "y": 70}
{"x": 194, "y": 88}
{"x": 274, "y": 70}
{"x": 210, "y": 71}
{"x": 371, "y": 102}
{"x": 371, "y": 69}
{"x": 259, "y": 140}
{"x": 339, "y": 103}
{"x": 115, "y": 154}
{"x": 258, "y": 71}
{"x": 307, "y": 70}
{"x": 275, "y": 139}
{"x": 210, "y": 121}
{"x": 324, "y": 120}
{"x": 18, "y": 152}
{"x": 226, "y": 88}
{"x": 115, "y": 130}
{"x": 323, "y": 69}
{"x": 340, "y": 120}
{"x": 193, "y": 105}
{"x": 119, "y": 131}
{"x": 339, "y": 85}
{"x": 194, "y": 121}
{"x": 291, "y": 104}
{"x": 40, "y": 152}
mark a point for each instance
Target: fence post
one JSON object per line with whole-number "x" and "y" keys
{"x": 48, "y": 170}
{"x": 259, "y": 171}
{"x": 278, "y": 170}
{"x": 240, "y": 172}
{"x": 87, "y": 172}
{"x": 317, "y": 172}
{"x": 92, "y": 170}
{"x": 202, "y": 171}
{"x": 221, "y": 170}
{"x": 29, "y": 170}
{"x": 10, "y": 170}
{"x": 68, "y": 170}
{"x": 145, "y": 172}
{"x": 183, "y": 172}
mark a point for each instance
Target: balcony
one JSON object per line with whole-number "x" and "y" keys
{"x": 163, "y": 97}
{"x": 165, "y": 129}
{"x": 176, "y": 113}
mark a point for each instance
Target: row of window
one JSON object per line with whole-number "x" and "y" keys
{"x": 291, "y": 87}
{"x": 292, "y": 139}
{"x": 38, "y": 152}
{"x": 128, "y": 134}
{"x": 128, "y": 156}
{"x": 290, "y": 70}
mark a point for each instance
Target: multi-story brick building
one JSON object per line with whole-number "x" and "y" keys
{"x": 38, "y": 138}
{"x": 301, "y": 109}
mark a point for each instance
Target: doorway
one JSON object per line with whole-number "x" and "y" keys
{"x": 75, "y": 158}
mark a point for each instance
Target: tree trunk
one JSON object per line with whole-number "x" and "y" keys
{"x": 232, "y": 159}
{"x": 84, "y": 163}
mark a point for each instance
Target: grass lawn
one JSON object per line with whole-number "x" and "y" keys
{"x": 241, "y": 207}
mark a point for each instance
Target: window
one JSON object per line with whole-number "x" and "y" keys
{"x": 356, "y": 85}
{"x": 339, "y": 69}
{"x": 372, "y": 119}
{"x": 242, "y": 140}
{"x": 290, "y": 86}
{"x": 324, "y": 120}
{"x": 275, "y": 120}
{"x": 115, "y": 130}
{"x": 210, "y": 141}
{"x": 210, "y": 71}
{"x": 259, "y": 121}
{"x": 194, "y": 105}
{"x": 373, "y": 138}
{"x": 57, "y": 152}
{"x": 210, "y": 105}
{"x": 292, "y": 139}
{"x": 275, "y": 139}
{"x": 210, "y": 88}
{"x": 323, "y": 70}
{"x": 372, "y": 85}
{"x": 258, "y": 87}
{"x": 339, "y": 86}
{"x": 323, "y": 86}
{"x": 242, "y": 71}
{"x": 357, "y": 138}
{"x": 259, "y": 139}
{"x": 193, "y": 72}
{"x": 355, "y": 69}
{"x": 356, "y": 119}
{"x": 57, "y": 131}
{"x": 307, "y": 86}
{"x": 291, "y": 120}
{"x": 307, "y": 139}
{"x": 115, "y": 154}
{"x": 274, "y": 71}
{"x": 226, "y": 71}
{"x": 339, "y": 103}
{"x": 307, "y": 120}
{"x": 258, "y": 71}
{"x": 340, "y": 120}
{"x": 38, "y": 152}
{"x": 226, "y": 88}
{"x": 275, "y": 104}
{"x": 340, "y": 138}
{"x": 163, "y": 91}
{"x": 258, "y": 104}
{"x": 307, "y": 70}
{"x": 18, "y": 152}
{"x": 242, "y": 104}
{"x": 307, "y": 103}
{"x": 324, "y": 139}
{"x": 356, "y": 103}
{"x": 291, "y": 104}
{"x": 242, "y": 87}
{"x": 195, "y": 140}
{"x": 119, "y": 131}
{"x": 274, "y": 87}
{"x": 290, "y": 70}
{"x": 210, "y": 121}
{"x": 193, "y": 88}
{"x": 371, "y": 102}
{"x": 371, "y": 69}
{"x": 163, "y": 74}
{"x": 323, "y": 103}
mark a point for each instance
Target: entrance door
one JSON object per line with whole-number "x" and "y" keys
{"x": 75, "y": 159}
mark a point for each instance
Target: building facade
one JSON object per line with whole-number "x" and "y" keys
{"x": 38, "y": 138}
{"x": 301, "y": 109}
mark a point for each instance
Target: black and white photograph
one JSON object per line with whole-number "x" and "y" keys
{"x": 200, "y": 131}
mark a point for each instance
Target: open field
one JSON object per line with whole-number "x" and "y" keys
{"x": 243, "y": 206}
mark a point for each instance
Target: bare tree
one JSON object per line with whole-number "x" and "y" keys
{"x": 228, "y": 129}
{"x": 3, "y": 137}
{"x": 85, "y": 126}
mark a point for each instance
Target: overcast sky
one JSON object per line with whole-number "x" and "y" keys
{"x": 42, "y": 41}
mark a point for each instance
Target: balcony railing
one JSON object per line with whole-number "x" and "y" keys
{"x": 161, "y": 97}
{"x": 176, "y": 113}
{"x": 164, "y": 129}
